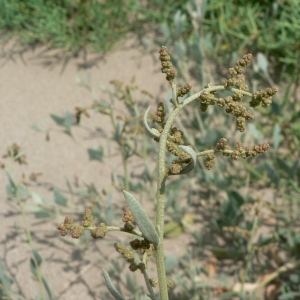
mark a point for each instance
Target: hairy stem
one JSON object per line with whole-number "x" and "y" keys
{"x": 162, "y": 175}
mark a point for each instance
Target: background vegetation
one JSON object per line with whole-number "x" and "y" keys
{"x": 243, "y": 217}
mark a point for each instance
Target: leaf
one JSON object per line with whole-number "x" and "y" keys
{"x": 37, "y": 198}
{"x": 222, "y": 253}
{"x": 65, "y": 122}
{"x": 96, "y": 154}
{"x": 262, "y": 62}
{"x": 36, "y": 128}
{"x": 5, "y": 281}
{"x": 117, "y": 136}
{"x": 68, "y": 121}
{"x": 57, "y": 119}
{"x": 111, "y": 287}
{"x": 40, "y": 212}
{"x": 142, "y": 219}
{"x": 171, "y": 263}
{"x": 276, "y": 136}
{"x": 37, "y": 257}
{"x": 109, "y": 214}
{"x": 33, "y": 268}
{"x": 130, "y": 284}
{"x": 173, "y": 229}
{"x": 237, "y": 197}
{"x": 255, "y": 132}
{"x": 289, "y": 295}
{"x": 60, "y": 199}
{"x": 193, "y": 156}
{"x": 49, "y": 292}
{"x": 272, "y": 173}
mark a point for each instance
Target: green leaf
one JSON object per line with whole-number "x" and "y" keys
{"x": 109, "y": 214}
{"x": 37, "y": 257}
{"x": 171, "y": 263}
{"x": 276, "y": 136}
{"x": 262, "y": 62}
{"x": 68, "y": 121}
{"x": 39, "y": 212}
{"x": 96, "y": 154}
{"x": 36, "y": 128}
{"x": 130, "y": 283}
{"x": 193, "y": 156}
{"x": 289, "y": 296}
{"x": 57, "y": 119}
{"x": 37, "y": 198}
{"x": 236, "y": 197}
{"x": 33, "y": 268}
{"x": 49, "y": 292}
{"x": 142, "y": 219}
{"x": 255, "y": 132}
{"x": 115, "y": 293}
{"x": 272, "y": 173}
{"x": 65, "y": 122}
{"x": 60, "y": 199}
{"x": 173, "y": 229}
{"x": 5, "y": 281}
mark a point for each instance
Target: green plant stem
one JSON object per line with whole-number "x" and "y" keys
{"x": 250, "y": 249}
{"x": 146, "y": 277}
{"x": 30, "y": 241}
{"x": 162, "y": 176}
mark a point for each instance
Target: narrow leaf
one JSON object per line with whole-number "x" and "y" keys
{"x": 37, "y": 257}
{"x": 276, "y": 136}
{"x": 193, "y": 156}
{"x": 111, "y": 287}
{"x": 33, "y": 268}
{"x": 154, "y": 132}
{"x": 142, "y": 219}
{"x": 262, "y": 62}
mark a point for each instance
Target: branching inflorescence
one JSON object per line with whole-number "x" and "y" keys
{"x": 171, "y": 140}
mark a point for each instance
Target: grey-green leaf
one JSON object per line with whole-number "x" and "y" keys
{"x": 193, "y": 156}
{"x": 262, "y": 62}
{"x": 276, "y": 136}
{"x": 60, "y": 199}
{"x": 111, "y": 287}
{"x": 96, "y": 154}
{"x": 142, "y": 220}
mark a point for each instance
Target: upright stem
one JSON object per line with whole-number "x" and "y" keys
{"x": 162, "y": 176}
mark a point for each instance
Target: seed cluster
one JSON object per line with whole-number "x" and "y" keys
{"x": 263, "y": 97}
{"x": 181, "y": 91}
{"x": 126, "y": 253}
{"x": 241, "y": 152}
{"x": 166, "y": 64}
{"x": 87, "y": 223}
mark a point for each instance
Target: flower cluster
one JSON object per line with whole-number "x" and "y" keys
{"x": 236, "y": 78}
{"x": 181, "y": 91}
{"x": 160, "y": 113}
{"x": 241, "y": 152}
{"x": 166, "y": 64}
{"x": 128, "y": 218}
{"x": 210, "y": 160}
{"x": 126, "y": 253}
{"x": 87, "y": 223}
{"x": 263, "y": 97}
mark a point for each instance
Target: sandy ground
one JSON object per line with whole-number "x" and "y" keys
{"x": 34, "y": 84}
